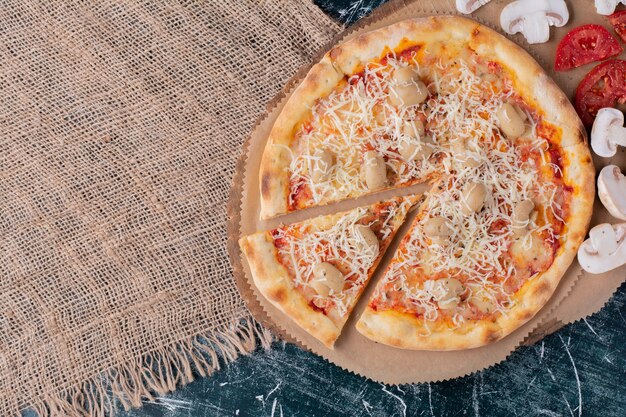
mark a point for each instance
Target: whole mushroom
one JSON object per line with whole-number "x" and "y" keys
{"x": 511, "y": 120}
{"x": 607, "y": 132}
{"x": 451, "y": 288}
{"x": 473, "y": 197}
{"x": 327, "y": 278}
{"x": 607, "y": 7}
{"x": 366, "y": 240}
{"x": 407, "y": 89}
{"x": 604, "y": 250}
{"x": 521, "y": 217}
{"x": 533, "y": 18}
{"x": 612, "y": 191}
{"x": 373, "y": 170}
{"x": 323, "y": 160}
{"x": 437, "y": 229}
{"x": 445, "y": 291}
{"x": 470, "y": 6}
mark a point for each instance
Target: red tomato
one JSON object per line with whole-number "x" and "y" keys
{"x": 604, "y": 86}
{"x": 585, "y": 44}
{"x": 618, "y": 20}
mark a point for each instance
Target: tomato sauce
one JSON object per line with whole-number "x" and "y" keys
{"x": 300, "y": 196}
{"x": 283, "y": 235}
{"x": 494, "y": 67}
{"x": 279, "y": 241}
{"x": 557, "y": 159}
{"x": 316, "y": 308}
{"x": 409, "y": 53}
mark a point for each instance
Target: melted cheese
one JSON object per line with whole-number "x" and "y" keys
{"x": 461, "y": 125}
{"x": 336, "y": 240}
{"x": 351, "y": 120}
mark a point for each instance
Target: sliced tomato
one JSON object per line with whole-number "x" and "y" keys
{"x": 585, "y": 44}
{"x": 604, "y": 86}
{"x": 618, "y": 21}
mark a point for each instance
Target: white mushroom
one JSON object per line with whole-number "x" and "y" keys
{"x": 411, "y": 151}
{"x": 465, "y": 154}
{"x": 612, "y": 191}
{"x": 603, "y": 239}
{"x": 470, "y": 6}
{"x": 405, "y": 75}
{"x": 320, "y": 287}
{"x": 445, "y": 291}
{"x": 533, "y": 18}
{"x": 437, "y": 229}
{"x": 607, "y": 132}
{"x": 604, "y": 250}
{"x": 413, "y": 128}
{"x": 367, "y": 240}
{"x": 511, "y": 120}
{"x": 473, "y": 197}
{"x": 323, "y": 161}
{"x": 483, "y": 302}
{"x": 327, "y": 277}
{"x": 408, "y": 89}
{"x": 373, "y": 170}
{"x": 380, "y": 114}
{"x": 413, "y": 145}
{"x": 521, "y": 217}
{"x": 607, "y": 7}
{"x": 530, "y": 243}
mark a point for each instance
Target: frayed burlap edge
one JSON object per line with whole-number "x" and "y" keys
{"x": 156, "y": 373}
{"x": 112, "y": 96}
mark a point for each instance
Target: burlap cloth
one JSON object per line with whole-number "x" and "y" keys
{"x": 120, "y": 126}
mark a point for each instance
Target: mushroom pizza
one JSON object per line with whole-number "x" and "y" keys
{"x": 444, "y": 101}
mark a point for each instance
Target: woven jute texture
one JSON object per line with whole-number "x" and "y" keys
{"x": 120, "y": 126}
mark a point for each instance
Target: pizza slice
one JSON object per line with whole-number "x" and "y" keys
{"x": 359, "y": 133}
{"x": 314, "y": 271}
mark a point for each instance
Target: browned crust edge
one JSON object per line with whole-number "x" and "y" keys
{"x": 274, "y": 173}
{"x": 323, "y": 77}
{"x": 274, "y": 282}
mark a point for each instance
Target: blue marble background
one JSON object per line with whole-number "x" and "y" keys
{"x": 580, "y": 370}
{"x": 577, "y": 371}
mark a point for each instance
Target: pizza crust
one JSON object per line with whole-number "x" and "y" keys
{"x": 343, "y": 60}
{"x": 405, "y": 331}
{"x": 274, "y": 171}
{"x": 273, "y": 281}
{"x": 350, "y": 57}
{"x": 276, "y": 283}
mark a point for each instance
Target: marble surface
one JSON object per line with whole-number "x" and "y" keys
{"x": 580, "y": 370}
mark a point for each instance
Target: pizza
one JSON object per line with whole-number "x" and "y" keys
{"x": 448, "y": 102}
{"x": 315, "y": 271}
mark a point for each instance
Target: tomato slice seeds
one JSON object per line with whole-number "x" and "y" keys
{"x": 585, "y": 44}
{"x": 604, "y": 86}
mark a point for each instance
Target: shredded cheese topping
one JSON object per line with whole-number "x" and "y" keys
{"x": 463, "y": 119}
{"x": 461, "y": 126}
{"x": 306, "y": 245}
